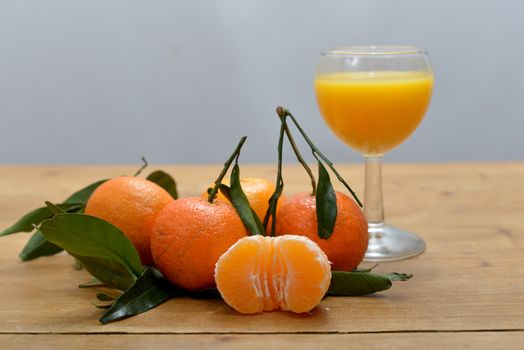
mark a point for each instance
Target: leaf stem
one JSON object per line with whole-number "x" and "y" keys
{"x": 297, "y": 152}
{"x": 317, "y": 153}
{"x": 273, "y": 201}
{"x": 142, "y": 167}
{"x": 227, "y": 164}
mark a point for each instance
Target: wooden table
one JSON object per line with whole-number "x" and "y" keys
{"x": 467, "y": 289}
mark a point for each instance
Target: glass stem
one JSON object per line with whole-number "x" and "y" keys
{"x": 373, "y": 202}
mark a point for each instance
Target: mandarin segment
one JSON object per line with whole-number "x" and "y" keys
{"x": 260, "y": 273}
{"x": 266, "y": 270}
{"x": 238, "y": 274}
{"x": 189, "y": 236}
{"x": 306, "y": 280}
{"x": 132, "y": 204}
{"x": 346, "y": 246}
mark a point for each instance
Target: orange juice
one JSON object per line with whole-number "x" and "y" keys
{"x": 373, "y": 111}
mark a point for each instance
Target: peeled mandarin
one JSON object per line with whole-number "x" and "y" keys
{"x": 258, "y": 273}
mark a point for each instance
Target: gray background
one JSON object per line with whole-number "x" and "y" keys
{"x": 180, "y": 81}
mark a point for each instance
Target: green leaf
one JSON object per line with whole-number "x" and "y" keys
{"x": 110, "y": 272}
{"x": 105, "y": 297}
{"x": 240, "y": 202}
{"x": 149, "y": 291}
{"x": 38, "y": 246}
{"x": 394, "y": 276}
{"x": 94, "y": 282}
{"x": 98, "y": 245}
{"x": 226, "y": 191}
{"x": 101, "y": 304}
{"x": 365, "y": 270}
{"x": 54, "y": 208}
{"x": 165, "y": 181}
{"x": 356, "y": 283}
{"x": 35, "y": 217}
{"x": 326, "y": 201}
{"x": 82, "y": 196}
{"x": 360, "y": 283}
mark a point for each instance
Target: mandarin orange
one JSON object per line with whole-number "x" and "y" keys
{"x": 258, "y": 191}
{"x": 189, "y": 236}
{"x": 132, "y": 204}
{"x": 260, "y": 273}
{"x": 346, "y": 246}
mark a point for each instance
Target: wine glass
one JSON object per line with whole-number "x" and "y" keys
{"x": 373, "y": 98}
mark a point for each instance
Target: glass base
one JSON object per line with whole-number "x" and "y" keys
{"x": 387, "y": 243}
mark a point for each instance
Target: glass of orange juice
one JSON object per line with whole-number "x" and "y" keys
{"x": 373, "y": 98}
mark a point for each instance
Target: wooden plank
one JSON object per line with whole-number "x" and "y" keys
{"x": 405, "y": 341}
{"x": 470, "y": 277}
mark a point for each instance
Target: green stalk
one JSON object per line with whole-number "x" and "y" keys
{"x": 227, "y": 164}
{"x": 298, "y": 154}
{"x": 316, "y": 152}
{"x": 273, "y": 201}
{"x": 142, "y": 167}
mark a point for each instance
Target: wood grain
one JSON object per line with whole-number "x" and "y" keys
{"x": 405, "y": 341}
{"x": 469, "y": 279}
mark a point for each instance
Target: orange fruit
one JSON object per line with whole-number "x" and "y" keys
{"x": 131, "y": 204}
{"x": 257, "y": 190}
{"x": 189, "y": 236}
{"x": 346, "y": 246}
{"x": 260, "y": 273}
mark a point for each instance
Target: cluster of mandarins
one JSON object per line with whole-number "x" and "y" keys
{"x": 198, "y": 244}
